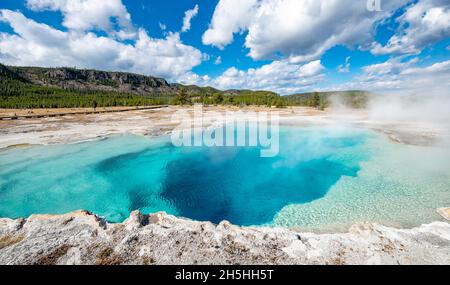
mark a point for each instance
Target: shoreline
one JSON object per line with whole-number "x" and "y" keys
{"x": 44, "y": 113}
{"x": 79, "y": 127}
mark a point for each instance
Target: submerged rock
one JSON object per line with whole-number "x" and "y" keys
{"x": 444, "y": 212}
{"x": 83, "y": 238}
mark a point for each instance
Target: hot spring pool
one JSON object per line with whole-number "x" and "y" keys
{"x": 323, "y": 178}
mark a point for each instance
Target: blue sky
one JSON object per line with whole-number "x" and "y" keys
{"x": 286, "y": 46}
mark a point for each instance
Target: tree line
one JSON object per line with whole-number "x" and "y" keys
{"x": 241, "y": 98}
{"x": 17, "y": 94}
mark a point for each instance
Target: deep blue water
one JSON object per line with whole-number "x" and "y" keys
{"x": 115, "y": 176}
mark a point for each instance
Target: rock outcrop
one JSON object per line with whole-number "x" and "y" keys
{"x": 83, "y": 79}
{"x": 83, "y": 238}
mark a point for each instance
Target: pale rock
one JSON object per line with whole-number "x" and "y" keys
{"x": 83, "y": 238}
{"x": 444, "y": 212}
{"x": 135, "y": 221}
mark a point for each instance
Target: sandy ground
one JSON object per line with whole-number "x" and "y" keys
{"x": 38, "y": 112}
{"x": 81, "y": 127}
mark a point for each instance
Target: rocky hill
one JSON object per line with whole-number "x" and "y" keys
{"x": 78, "y": 79}
{"x": 7, "y": 73}
{"x": 96, "y": 80}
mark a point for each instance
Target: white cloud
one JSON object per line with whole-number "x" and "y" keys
{"x": 344, "y": 68}
{"x": 301, "y": 30}
{"x": 392, "y": 66}
{"x": 188, "y": 15}
{"x": 85, "y": 15}
{"x": 218, "y": 60}
{"x": 436, "y": 68}
{"x": 398, "y": 75}
{"x": 422, "y": 24}
{"x": 230, "y": 16}
{"x": 35, "y": 44}
{"x": 279, "y": 76}
{"x": 193, "y": 78}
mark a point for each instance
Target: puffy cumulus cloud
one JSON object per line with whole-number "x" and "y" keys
{"x": 167, "y": 57}
{"x": 392, "y": 66}
{"x": 397, "y": 74}
{"x": 301, "y": 30}
{"x": 193, "y": 78}
{"x": 230, "y": 16}
{"x": 439, "y": 67}
{"x": 36, "y": 44}
{"x": 383, "y": 76}
{"x": 84, "y": 15}
{"x": 279, "y": 76}
{"x": 188, "y": 15}
{"x": 421, "y": 25}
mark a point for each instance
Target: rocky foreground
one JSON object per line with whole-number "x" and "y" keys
{"x": 83, "y": 238}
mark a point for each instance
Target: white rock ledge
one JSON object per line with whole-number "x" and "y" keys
{"x": 83, "y": 238}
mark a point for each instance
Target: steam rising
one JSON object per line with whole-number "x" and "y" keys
{"x": 431, "y": 108}
{"x": 419, "y": 112}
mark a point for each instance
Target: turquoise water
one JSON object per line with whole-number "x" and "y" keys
{"x": 323, "y": 177}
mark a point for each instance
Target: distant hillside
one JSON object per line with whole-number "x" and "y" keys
{"x": 37, "y": 87}
{"x": 352, "y": 99}
{"x": 94, "y": 80}
{"x": 8, "y": 74}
